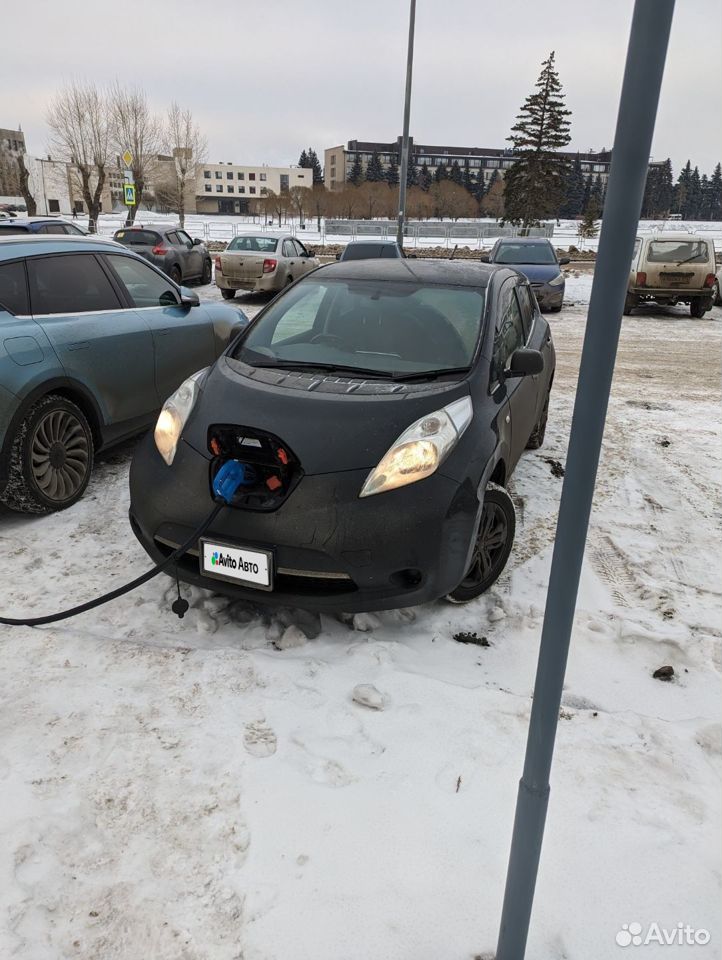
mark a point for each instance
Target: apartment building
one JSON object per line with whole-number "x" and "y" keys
{"x": 230, "y": 188}
{"x": 339, "y": 161}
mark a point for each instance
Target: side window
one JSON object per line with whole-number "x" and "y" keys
{"x": 72, "y": 283}
{"x": 184, "y": 238}
{"x": 300, "y": 318}
{"x": 52, "y": 228}
{"x": 508, "y": 333}
{"x": 172, "y": 239}
{"x": 145, "y": 287}
{"x": 527, "y": 308}
{"x": 300, "y": 249}
{"x": 288, "y": 249}
{"x": 13, "y": 288}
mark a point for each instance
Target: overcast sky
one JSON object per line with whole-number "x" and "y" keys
{"x": 268, "y": 77}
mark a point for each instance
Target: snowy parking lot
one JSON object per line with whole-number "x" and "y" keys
{"x": 208, "y": 789}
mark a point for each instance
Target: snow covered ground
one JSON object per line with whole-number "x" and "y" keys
{"x": 207, "y": 789}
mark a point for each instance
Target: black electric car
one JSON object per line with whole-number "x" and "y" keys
{"x": 367, "y": 421}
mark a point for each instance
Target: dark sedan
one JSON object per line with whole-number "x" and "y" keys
{"x": 369, "y": 419}
{"x": 536, "y": 258}
{"x": 39, "y": 226}
{"x": 371, "y": 249}
{"x": 170, "y": 249}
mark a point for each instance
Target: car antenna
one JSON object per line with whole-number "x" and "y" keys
{"x": 453, "y": 252}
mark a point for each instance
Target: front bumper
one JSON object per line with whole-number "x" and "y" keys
{"x": 332, "y": 551}
{"x": 548, "y": 295}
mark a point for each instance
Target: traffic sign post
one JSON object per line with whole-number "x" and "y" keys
{"x": 129, "y": 190}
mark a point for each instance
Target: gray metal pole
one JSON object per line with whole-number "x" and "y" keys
{"x": 646, "y": 54}
{"x": 405, "y": 139}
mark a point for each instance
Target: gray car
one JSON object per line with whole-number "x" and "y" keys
{"x": 536, "y": 259}
{"x": 92, "y": 342}
{"x": 170, "y": 249}
{"x": 262, "y": 263}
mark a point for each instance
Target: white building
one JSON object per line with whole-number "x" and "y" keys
{"x": 49, "y": 185}
{"x": 229, "y": 187}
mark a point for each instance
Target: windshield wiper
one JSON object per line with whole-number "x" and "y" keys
{"x": 693, "y": 257}
{"x": 325, "y": 367}
{"x": 429, "y": 374}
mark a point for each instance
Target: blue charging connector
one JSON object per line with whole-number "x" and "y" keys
{"x": 230, "y": 477}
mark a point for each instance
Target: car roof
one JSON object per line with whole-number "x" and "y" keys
{"x": 21, "y": 220}
{"x": 376, "y": 240}
{"x": 461, "y": 273}
{"x": 155, "y": 227}
{"x": 271, "y": 234}
{"x": 673, "y": 235}
{"x": 29, "y": 245}
{"x": 523, "y": 240}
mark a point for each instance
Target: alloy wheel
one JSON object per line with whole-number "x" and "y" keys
{"x": 490, "y": 543}
{"x": 60, "y": 455}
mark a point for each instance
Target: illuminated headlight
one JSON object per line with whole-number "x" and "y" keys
{"x": 420, "y": 450}
{"x": 174, "y": 415}
{"x": 557, "y": 280}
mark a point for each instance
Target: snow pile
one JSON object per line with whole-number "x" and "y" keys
{"x": 211, "y": 788}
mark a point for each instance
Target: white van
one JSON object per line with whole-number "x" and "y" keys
{"x": 672, "y": 268}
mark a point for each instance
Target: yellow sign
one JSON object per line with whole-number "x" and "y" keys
{"x": 129, "y": 189}
{"x": 127, "y": 158}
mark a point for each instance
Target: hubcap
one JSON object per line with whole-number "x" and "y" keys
{"x": 490, "y": 543}
{"x": 59, "y": 455}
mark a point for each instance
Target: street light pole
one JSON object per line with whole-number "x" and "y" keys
{"x": 405, "y": 141}
{"x": 643, "y": 71}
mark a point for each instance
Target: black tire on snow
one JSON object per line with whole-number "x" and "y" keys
{"x": 22, "y": 491}
{"x": 207, "y": 274}
{"x": 498, "y": 498}
{"x": 227, "y": 294}
{"x": 630, "y": 303}
{"x": 536, "y": 438}
{"x": 176, "y": 275}
{"x": 698, "y": 307}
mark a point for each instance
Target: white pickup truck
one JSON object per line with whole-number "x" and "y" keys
{"x": 673, "y": 268}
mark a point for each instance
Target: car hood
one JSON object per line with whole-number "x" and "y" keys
{"x": 537, "y": 272}
{"x": 330, "y": 422}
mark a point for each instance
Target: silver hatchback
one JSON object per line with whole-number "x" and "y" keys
{"x": 262, "y": 263}
{"x": 170, "y": 249}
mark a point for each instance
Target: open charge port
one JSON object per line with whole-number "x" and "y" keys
{"x": 270, "y": 470}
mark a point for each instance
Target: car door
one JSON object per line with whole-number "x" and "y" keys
{"x": 192, "y": 254}
{"x": 305, "y": 261}
{"x": 183, "y": 338}
{"x": 99, "y": 342}
{"x": 537, "y": 336}
{"x": 509, "y": 335}
{"x": 293, "y": 268}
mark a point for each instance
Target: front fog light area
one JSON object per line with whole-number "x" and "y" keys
{"x": 174, "y": 415}
{"x": 420, "y": 449}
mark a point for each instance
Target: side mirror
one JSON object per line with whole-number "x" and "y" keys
{"x": 524, "y": 362}
{"x": 564, "y": 261}
{"x": 485, "y": 258}
{"x": 189, "y": 298}
{"x": 338, "y": 256}
{"x": 197, "y": 242}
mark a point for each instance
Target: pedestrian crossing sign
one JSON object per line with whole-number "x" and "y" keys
{"x": 129, "y": 194}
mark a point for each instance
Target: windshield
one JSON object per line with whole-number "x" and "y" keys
{"x": 373, "y": 326}
{"x": 253, "y": 244}
{"x": 138, "y": 238}
{"x": 524, "y": 253}
{"x": 676, "y": 251}
{"x": 367, "y": 251}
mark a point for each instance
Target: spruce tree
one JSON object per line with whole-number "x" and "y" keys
{"x": 303, "y": 159}
{"x": 314, "y": 164}
{"x": 357, "y": 174}
{"x": 596, "y": 195}
{"x": 534, "y": 185}
{"x": 441, "y": 174}
{"x": 455, "y": 174}
{"x": 705, "y": 199}
{"x": 468, "y": 179}
{"x": 694, "y": 198}
{"x": 374, "y": 169}
{"x": 715, "y": 193}
{"x": 424, "y": 177}
{"x": 412, "y": 177}
{"x": 392, "y": 171}
{"x": 573, "y": 202}
{"x": 587, "y": 192}
{"x": 681, "y": 191}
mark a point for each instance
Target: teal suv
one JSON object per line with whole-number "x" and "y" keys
{"x": 93, "y": 339}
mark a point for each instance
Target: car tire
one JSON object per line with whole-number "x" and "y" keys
{"x": 716, "y": 295}
{"x": 536, "y": 438}
{"x": 176, "y": 275}
{"x": 51, "y": 458}
{"x": 556, "y": 309}
{"x": 227, "y": 294}
{"x": 207, "y": 274}
{"x": 630, "y": 303}
{"x": 699, "y": 306}
{"x": 497, "y": 526}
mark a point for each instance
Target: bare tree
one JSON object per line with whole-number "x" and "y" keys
{"x": 299, "y": 199}
{"x": 185, "y": 144}
{"x": 80, "y": 127}
{"x": 492, "y": 204}
{"x": 24, "y": 186}
{"x": 319, "y": 203}
{"x": 136, "y": 129}
{"x": 277, "y": 204}
{"x": 373, "y": 198}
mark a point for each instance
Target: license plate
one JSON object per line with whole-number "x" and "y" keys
{"x": 226, "y": 561}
